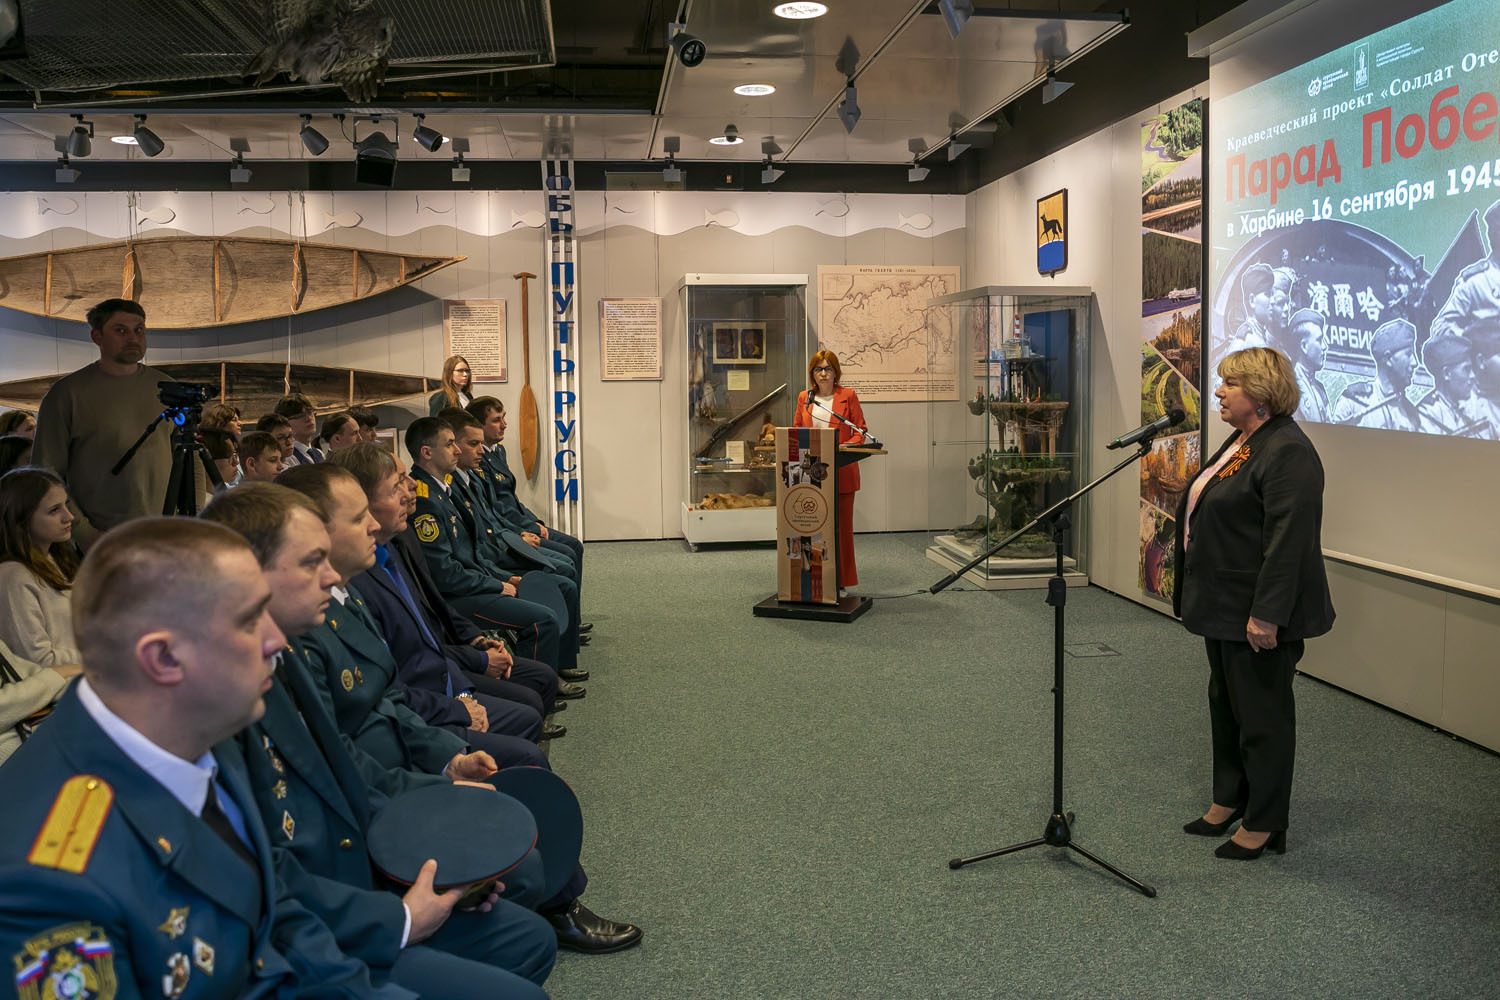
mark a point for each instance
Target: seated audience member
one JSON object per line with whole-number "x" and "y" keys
{"x": 280, "y": 428}
{"x": 225, "y": 453}
{"x": 506, "y": 731}
{"x": 474, "y": 588}
{"x": 221, "y": 417}
{"x": 300, "y": 768}
{"x": 18, "y": 422}
{"x": 339, "y": 432}
{"x": 368, "y": 420}
{"x": 416, "y": 624}
{"x": 27, "y": 690}
{"x": 128, "y": 846}
{"x": 37, "y": 563}
{"x": 394, "y": 750}
{"x": 260, "y": 458}
{"x": 302, "y": 418}
{"x": 15, "y": 451}
{"x": 490, "y": 413}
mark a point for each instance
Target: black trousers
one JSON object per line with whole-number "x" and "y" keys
{"x": 1254, "y": 722}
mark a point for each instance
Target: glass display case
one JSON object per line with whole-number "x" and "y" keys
{"x": 1007, "y": 447}
{"x": 747, "y": 359}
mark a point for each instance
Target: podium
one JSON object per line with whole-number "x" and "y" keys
{"x": 808, "y": 461}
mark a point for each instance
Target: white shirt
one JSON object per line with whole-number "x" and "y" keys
{"x": 821, "y": 413}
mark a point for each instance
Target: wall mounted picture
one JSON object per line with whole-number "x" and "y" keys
{"x": 739, "y": 343}
{"x": 1052, "y": 233}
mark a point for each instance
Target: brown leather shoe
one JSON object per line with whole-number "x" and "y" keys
{"x": 581, "y": 929}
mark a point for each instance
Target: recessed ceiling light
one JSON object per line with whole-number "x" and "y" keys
{"x": 800, "y": 10}
{"x": 754, "y": 89}
{"x": 726, "y": 140}
{"x": 124, "y": 140}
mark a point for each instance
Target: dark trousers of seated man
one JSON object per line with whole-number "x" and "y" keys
{"x": 513, "y": 733}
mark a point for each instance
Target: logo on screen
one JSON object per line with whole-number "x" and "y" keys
{"x": 1362, "y": 66}
{"x": 1316, "y": 87}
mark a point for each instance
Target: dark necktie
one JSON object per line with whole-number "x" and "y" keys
{"x": 219, "y": 823}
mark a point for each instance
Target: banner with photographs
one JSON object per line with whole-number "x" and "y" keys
{"x": 1357, "y": 226}
{"x": 1171, "y": 328}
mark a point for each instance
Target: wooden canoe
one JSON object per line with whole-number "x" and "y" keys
{"x": 255, "y": 386}
{"x": 192, "y": 282}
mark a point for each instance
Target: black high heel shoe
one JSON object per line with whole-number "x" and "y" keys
{"x": 1203, "y": 828}
{"x": 1234, "y": 852}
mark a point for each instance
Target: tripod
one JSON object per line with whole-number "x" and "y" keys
{"x": 1059, "y": 829}
{"x": 182, "y": 491}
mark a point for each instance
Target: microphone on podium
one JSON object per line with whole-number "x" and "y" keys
{"x": 1146, "y": 431}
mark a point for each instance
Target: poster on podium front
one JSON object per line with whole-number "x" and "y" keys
{"x": 806, "y": 506}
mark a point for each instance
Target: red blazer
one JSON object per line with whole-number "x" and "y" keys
{"x": 846, "y": 405}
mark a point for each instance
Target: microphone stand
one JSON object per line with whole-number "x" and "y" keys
{"x": 1058, "y": 831}
{"x": 870, "y": 439}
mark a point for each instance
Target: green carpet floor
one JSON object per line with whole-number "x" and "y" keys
{"x": 775, "y": 803}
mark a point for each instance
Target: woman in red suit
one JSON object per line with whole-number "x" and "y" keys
{"x": 813, "y": 404}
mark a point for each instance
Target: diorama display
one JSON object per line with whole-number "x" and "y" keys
{"x": 1009, "y": 449}
{"x": 191, "y": 282}
{"x": 746, "y": 337}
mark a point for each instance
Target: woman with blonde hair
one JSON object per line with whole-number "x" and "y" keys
{"x": 457, "y": 384}
{"x": 816, "y": 407}
{"x": 37, "y": 563}
{"x": 1250, "y": 580}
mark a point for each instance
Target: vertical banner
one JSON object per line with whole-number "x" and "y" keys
{"x": 1052, "y": 233}
{"x": 563, "y": 389}
{"x": 1171, "y": 328}
{"x": 806, "y": 504}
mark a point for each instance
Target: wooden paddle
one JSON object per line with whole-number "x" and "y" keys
{"x": 527, "y": 406}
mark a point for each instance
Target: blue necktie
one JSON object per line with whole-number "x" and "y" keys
{"x": 392, "y": 568}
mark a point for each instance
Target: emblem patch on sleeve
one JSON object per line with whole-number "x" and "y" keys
{"x": 72, "y": 962}
{"x": 72, "y": 827}
{"x": 426, "y": 527}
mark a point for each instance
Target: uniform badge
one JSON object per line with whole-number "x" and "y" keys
{"x": 347, "y": 679}
{"x": 279, "y": 789}
{"x": 426, "y": 527}
{"x": 176, "y": 979}
{"x": 422, "y": 490}
{"x": 72, "y": 827}
{"x": 275, "y": 761}
{"x": 203, "y": 956}
{"x": 71, "y": 962}
{"x": 359, "y": 676}
{"x": 287, "y": 825}
{"x": 333, "y": 623}
{"x": 176, "y": 923}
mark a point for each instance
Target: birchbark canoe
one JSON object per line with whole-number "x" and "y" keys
{"x": 193, "y": 282}
{"x": 255, "y": 386}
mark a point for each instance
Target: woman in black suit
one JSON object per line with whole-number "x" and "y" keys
{"x": 1251, "y": 582}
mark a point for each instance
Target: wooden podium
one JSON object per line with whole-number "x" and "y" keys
{"x": 808, "y": 461}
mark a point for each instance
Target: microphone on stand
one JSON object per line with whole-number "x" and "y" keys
{"x": 869, "y": 438}
{"x": 1169, "y": 419}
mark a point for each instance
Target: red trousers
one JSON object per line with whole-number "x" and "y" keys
{"x": 847, "y": 576}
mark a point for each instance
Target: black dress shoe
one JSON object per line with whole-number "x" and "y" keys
{"x": 552, "y": 731}
{"x": 581, "y": 929}
{"x": 585, "y": 628}
{"x": 584, "y": 640}
{"x": 1204, "y": 828}
{"x": 558, "y": 706}
{"x": 1234, "y": 852}
{"x": 573, "y": 675}
{"x": 566, "y": 691}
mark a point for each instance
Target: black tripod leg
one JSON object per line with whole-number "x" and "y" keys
{"x": 1136, "y": 884}
{"x": 1013, "y": 848}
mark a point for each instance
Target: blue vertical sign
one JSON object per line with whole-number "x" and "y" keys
{"x": 562, "y": 374}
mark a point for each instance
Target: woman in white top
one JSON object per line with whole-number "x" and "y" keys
{"x": 37, "y": 563}
{"x": 25, "y": 689}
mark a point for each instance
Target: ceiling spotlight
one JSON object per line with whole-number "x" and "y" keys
{"x": 690, "y": 49}
{"x": 956, "y": 149}
{"x": 65, "y": 173}
{"x": 755, "y": 90}
{"x": 768, "y": 173}
{"x": 429, "y": 139}
{"x": 239, "y": 173}
{"x": 956, "y": 14}
{"x": 731, "y": 137}
{"x": 1053, "y": 88}
{"x": 460, "y": 171}
{"x": 80, "y": 139}
{"x": 849, "y": 108}
{"x": 917, "y": 173}
{"x": 800, "y": 10}
{"x": 671, "y": 145}
{"x": 312, "y": 140}
{"x": 149, "y": 142}
{"x": 374, "y": 159}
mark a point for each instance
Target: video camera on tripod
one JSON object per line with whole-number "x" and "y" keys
{"x": 183, "y": 408}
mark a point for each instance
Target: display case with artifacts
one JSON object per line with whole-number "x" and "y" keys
{"x": 1010, "y": 446}
{"x": 747, "y": 355}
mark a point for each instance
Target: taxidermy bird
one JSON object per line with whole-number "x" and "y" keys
{"x": 345, "y": 42}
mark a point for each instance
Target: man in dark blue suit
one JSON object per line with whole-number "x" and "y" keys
{"x": 134, "y": 863}
{"x": 313, "y": 795}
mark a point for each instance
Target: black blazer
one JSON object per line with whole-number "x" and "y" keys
{"x": 1256, "y": 544}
